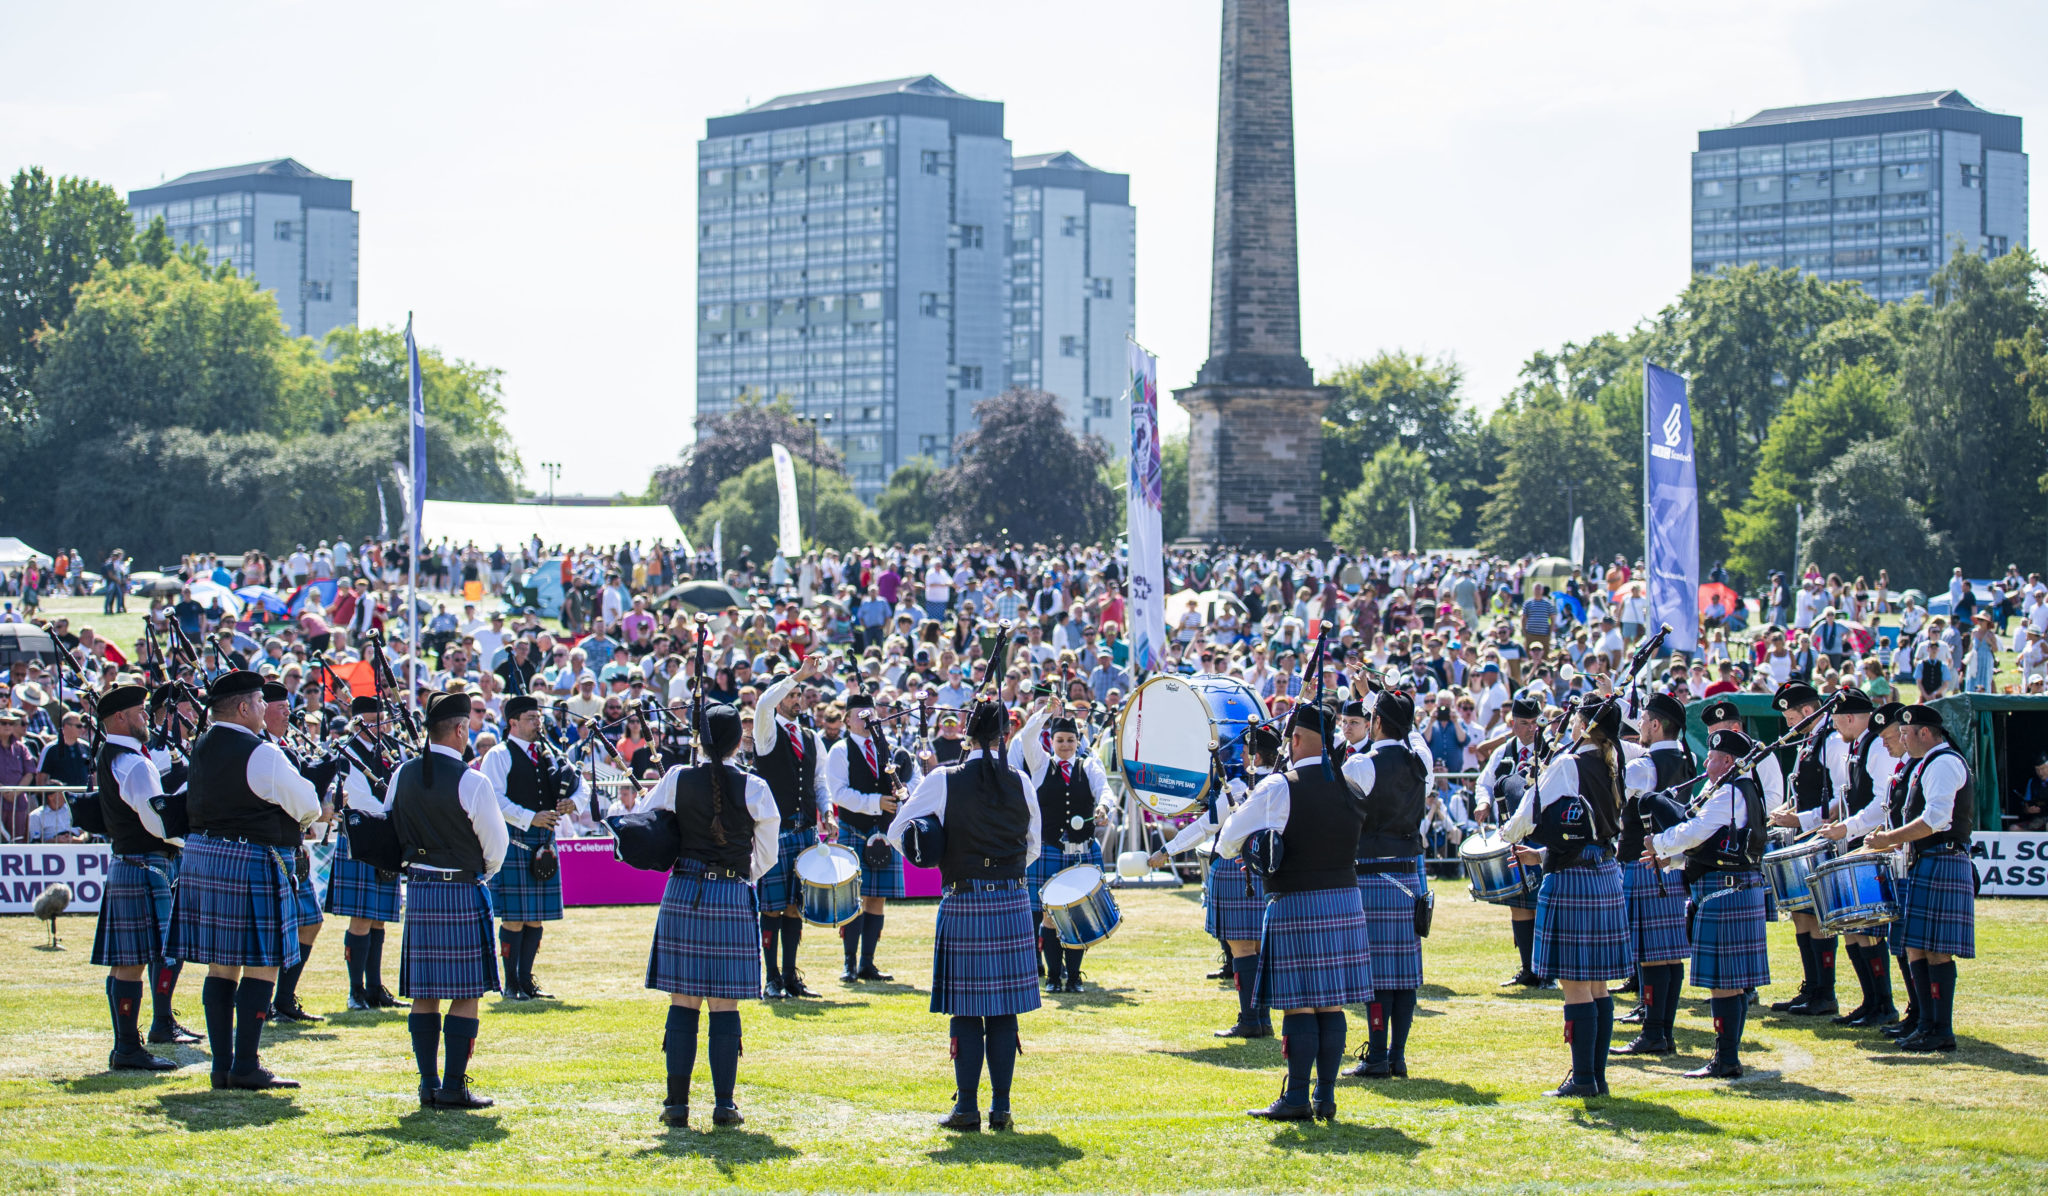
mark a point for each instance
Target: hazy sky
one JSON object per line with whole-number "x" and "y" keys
{"x": 1478, "y": 180}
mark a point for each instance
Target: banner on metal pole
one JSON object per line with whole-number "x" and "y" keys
{"x": 1411, "y": 526}
{"x": 1143, "y": 499}
{"x": 1671, "y": 508}
{"x": 1578, "y": 541}
{"x": 791, "y": 535}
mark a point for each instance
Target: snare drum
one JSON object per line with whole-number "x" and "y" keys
{"x": 1170, "y": 731}
{"x": 830, "y": 878}
{"x": 1491, "y": 867}
{"x": 1855, "y": 892}
{"x": 1786, "y": 871}
{"x": 1082, "y": 909}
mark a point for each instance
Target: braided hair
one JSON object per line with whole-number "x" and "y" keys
{"x": 985, "y": 727}
{"x": 1607, "y": 807}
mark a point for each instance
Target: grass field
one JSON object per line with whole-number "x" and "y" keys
{"x": 1122, "y": 1090}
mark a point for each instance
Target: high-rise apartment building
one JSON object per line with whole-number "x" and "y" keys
{"x": 1878, "y": 191}
{"x": 293, "y": 230}
{"x": 1073, "y": 278}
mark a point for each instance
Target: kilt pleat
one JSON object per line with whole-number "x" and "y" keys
{"x": 1054, "y": 860}
{"x": 707, "y": 938}
{"x": 236, "y": 906}
{"x": 1895, "y": 932}
{"x": 1526, "y": 899}
{"x": 135, "y": 911}
{"x": 515, "y": 893}
{"x": 1229, "y": 911}
{"x": 1390, "y": 925}
{"x": 306, "y": 901}
{"x": 449, "y": 952}
{"x": 1729, "y": 949}
{"x": 886, "y": 881}
{"x": 780, "y": 889}
{"x": 1315, "y": 951}
{"x": 1656, "y": 917}
{"x": 1941, "y": 909}
{"x": 354, "y": 890}
{"x": 1581, "y": 929}
{"x": 985, "y": 953}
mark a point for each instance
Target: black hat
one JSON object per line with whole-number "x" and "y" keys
{"x": 520, "y": 704}
{"x": 1886, "y": 715}
{"x": 859, "y": 701}
{"x": 1721, "y": 712}
{"x": 722, "y": 729}
{"x": 1355, "y": 709}
{"x": 233, "y": 685}
{"x": 274, "y": 692}
{"x": 1396, "y": 712}
{"x": 1735, "y": 743}
{"x": 1605, "y": 717}
{"x": 1062, "y": 725}
{"x": 1666, "y": 708}
{"x": 1309, "y": 716}
{"x": 1795, "y": 693}
{"x": 121, "y": 697}
{"x": 986, "y": 721}
{"x": 1919, "y": 714}
{"x": 365, "y": 704}
{"x": 1525, "y": 705}
{"x": 1854, "y": 701}
{"x": 162, "y": 696}
{"x": 445, "y": 706}
{"x": 1263, "y": 740}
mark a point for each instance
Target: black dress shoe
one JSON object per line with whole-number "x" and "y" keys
{"x": 849, "y": 976}
{"x": 1073, "y": 985}
{"x": 172, "y": 1032}
{"x": 1218, "y": 974}
{"x": 1246, "y": 1030}
{"x": 1643, "y": 1044}
{"x": 771, "y": 987}
{"x": 1852, "y": 1018}
{"x": 1878, "y": 1017}
{"x": 1371, "y": 1069}
{"x": 458, "y": 1096}
{"x": 676, "y": 1116}
{"x": 1324, "y": 1110}
{"x": 219, "y": 1081}
{"x": 1716, "y": 1070}
{"x": 1790, "y": 1004}
{"x": 1000, "y": 1119}
{"x": 1280, "y": 1110}
{"x": 1522, "y": 979}
{"x": 258, "y": 1080}
{"x": 534, "y": 993}
{"x": 1573, "y": 1087}
{"x": 1053, "y": 984}
{"x": 427, "y": 1095}
{"x": 1814, "y": 1005}
{"x": 292, "y": 1011}
{"x": 1631, "y": 985}
{"x": 726, "y": 1115}
{"x": 1925, "y": 1043}
{"x": 962, "y": 1119}
{"x": 139, "y": 1060}
{"x": 1634, "y": 1017}
{"x": 793, "y": 984}
{"x": 358, "y": 1003}
{"x": 1903, "y": 1028}
{"x": 518, "y": 994}
{"x": 869, "y": 971}
{"x": 383, "y": 999}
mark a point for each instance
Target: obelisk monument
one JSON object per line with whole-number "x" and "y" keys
{"x": 1255, "y": 447}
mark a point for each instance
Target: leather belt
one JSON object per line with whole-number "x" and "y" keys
{"x": 982, "y": 886}
{"x": 427, "y": 872}
{"x": 692, "y": 868}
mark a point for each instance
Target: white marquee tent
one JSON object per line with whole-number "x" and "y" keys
{"x": 489, "y": 524}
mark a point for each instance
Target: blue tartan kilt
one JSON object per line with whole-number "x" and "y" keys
{"x": 236, "y": 905}
{"x": 1728, "y": 945}
{"x": 449, "y": 952}
{"x": 1581, "y": 928}
{"x": 707, "y": 937}
{"x": 1315, "y": 951}
{"x": 1053, "y": 859}
{"x": 353, "y": 890}
{"x": 1526, "y": 899}
{"x": 1390, "y": 924}
{"x": 515, "y": 893}
{"x": 1941, "y": 910}
{"x": 305, "y": 898}
{"x": 1895, "y": 931}
{"x": 886, "y": 881}
{"x": 780, "y": 889}
{"x": 1229, "y": 912}
{"x": 1656, "y": 919}
{"x": 135, "y": 911}
{"x": 985, "y": 952}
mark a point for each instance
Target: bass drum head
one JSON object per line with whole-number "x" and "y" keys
{"x": 1233, "y": 708}
{"x": 1164, "y": 738}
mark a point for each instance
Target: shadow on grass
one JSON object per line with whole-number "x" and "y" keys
{"x": 1018, "y": 1150}
{"x": 1761, "y": 1084}
{"x": 200, "y": 1112}
{"x": 119, "y": 1081}
{"x": 528, "y": 1008}
{"x": 1342, "y": 1137}
{"x": 1424, "y": 1091}
{"x": 283, "y": 1031}
{"x": 1626, "y": 1115}
{"x": 1094, "y": 996}
{"x": 809, "y": 1006}
{"x": 1435, "y": 992}
{"x": 725, "y": 1146}
{"x": 1259, "y": 1054}
{"x": 1974, "y": 1051}
{"x": 441, "y": 1129}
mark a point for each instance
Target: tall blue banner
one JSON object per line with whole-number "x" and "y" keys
{"x": 1671, "y": 509}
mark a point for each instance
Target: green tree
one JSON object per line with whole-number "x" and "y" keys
{"x": 368, "y": 376}
{"x": 1547, "y": 443}
{"x": 53, "y": 232}
{"x": 730, "y": 442}
{"x": 909, "y": 507}
{"x": 1173, "y": 487}
{"x": 1374, "y": 516}
{"x": 751, "y": 510}
{"x": 1862, "y": 520}
{"x": 1023, "y": 475}
{"x": 1390, "y": 398}
{"x": 1972, "y": 441}
{"x": 1820, "y": 422}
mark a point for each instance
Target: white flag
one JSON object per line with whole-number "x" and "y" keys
{"x": 1578, "y": 541}
{"x": 791, "y": 536}
{"x": 1411, "y": 525}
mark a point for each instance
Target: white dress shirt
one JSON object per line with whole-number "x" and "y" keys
{"x": 1640, "y": 775}
{"x": 1267, "y": 809}
{"x": 930, "y": 798}
{"x": 842, "y": 792}
{"x": 760, "y": 805}
{"x": 1038, "y": 761}
{"x": 765, "y": 722}
{"x": 1880, "y": 767}
{"x": 1942, "y": 774}
{"x": 355, "y": 787}
{"x": 1207, "y": 823}
{"x": 274, "y": 778}
{"x": 136, "y": 773}
{"x": 1488, "y": 780}
{"x": 497, "y": 766}
{"x": 1723, "y": 807}
{"x": 479, "y": 801}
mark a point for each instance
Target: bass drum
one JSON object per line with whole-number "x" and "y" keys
{"x": 1171, "y": 730}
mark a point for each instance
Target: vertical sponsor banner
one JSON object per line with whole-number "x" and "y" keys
{"x": 1578, "y": 541}
{"x": 415, "y": 506}
{"x": 791, "y": 536}
{"x": 1671, "y": 508}
{"x": 1142, "y": 501}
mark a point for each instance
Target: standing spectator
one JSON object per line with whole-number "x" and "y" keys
{"x": 1982, "y": 670}
{"x": 17, "y": 767}
{"x": 938, "y": 590}
{"x": 1539, "y": 617}
{"x": 115, "y": 587}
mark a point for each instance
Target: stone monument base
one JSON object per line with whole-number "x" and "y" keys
{"x": 1255, "y": 464}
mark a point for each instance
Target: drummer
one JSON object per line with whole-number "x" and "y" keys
{"x": 1934, "y": 814}
{"x": 866, "y": 781}
{"x": 1582, "y": 940}
{"x": 1391, "y": 779}
{"x": 1656, "y": 896}
{"x": 1070, "y": 791}
{"x": 1519, "y": 754}
{"x": 1723, "y": 845}
{"x": 1233, "y": 896}
{"x": 1820, "y": 772}
{"x": 789, "y": 757}
{"x": 1769, "y": 774}
{"x": 1865, "y": 779}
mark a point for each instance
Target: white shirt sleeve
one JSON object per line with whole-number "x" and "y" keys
{"x": 663, "y": 796}
{"x": 139, "y": 782}
{"x": 1560, "y": 779}
{"x": 1266, "y": 809}
{"x": 1098, "y": 780}
{"x": 1360, "y": 773}
{"x": 480, "y": 802}
{"x": 1205, "y": 825}
{"x": 1838, "y": 758}
{"x": 1941, "y": 778}
{"x": 1771, "y": 776}
{"x": 1721, "y": 807}
{"x": 764, "y": 714}
{"x": 1034, "y": 753}
{"x": 358, "y": 795}
{"x": 272, "y": 777}
{"x": 496, "y": 766}
{"x": 1640, "y": 776}
{"x": 928, "y": 798}
{"x": 1032, "y": 844}
{"x": 767, "y": 826}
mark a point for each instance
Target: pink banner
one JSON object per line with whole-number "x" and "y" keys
{"x": 592, "y": 875}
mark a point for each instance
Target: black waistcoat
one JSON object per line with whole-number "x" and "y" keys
{"x": 1321, "y": 836}
{"x": 1644, "y": 814}
{"x": 1733, "y": 848}
{"x": 1062, "y": 800}
{"x": 432, "y": 827}
{"x": 1862, "y": 786}
{"x": 1961, "y": 819}
{"x": 988, "y": 822}
{"x": 1392, "y": 825}
{"x": 862, "y": 779}
{"x": 792, "y": 781}
{"x": 125, "y": 832}
{"x": 538, "y": 787}
{"x": 1812, "y": 787}
{"x": 219, "y": 801}
{"x": 696, "y": 820}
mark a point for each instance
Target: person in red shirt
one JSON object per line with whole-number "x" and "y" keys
{"x": 1727, "y": 683}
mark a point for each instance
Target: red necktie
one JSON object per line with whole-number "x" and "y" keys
{"x": 869, "y": 748}
{"x": 796, "y": 741}
{"x": 533, "y": 750}
{"x": 1067, "y": 771}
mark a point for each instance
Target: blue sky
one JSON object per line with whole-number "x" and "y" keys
{"x": 1476, "y": 179}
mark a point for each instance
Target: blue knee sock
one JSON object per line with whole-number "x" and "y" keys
{"x": 1301, "y": 1041}
{"x": 124, "y": 997}
{"x": 373, "y": 963}
{"x": 1247, "y": 980}
{"x": 724, "y": 1040}
{"x": 1001, "y": 1037}
{"x": 792, "y": 936}
{"x": 771, "y": 938}
{"x": 163, "y": 982}
{"x": 1376, "y": 1029}
{"x": 870, "y": 934}
{"x": 459, "y": 1034}
{"x": 508, "y": 956}
{"x": 529, "y": 947}
{"x": 1400, "y": 1004}
{"x": 1729, "y": 1015}
{"x": 679, "y": 1044}
{"x": 252, "y": 1005}
{"x": 1330, "y": 1027}
{"x": 217, "y": 998}
{"x": 355, "y": 951}
{"x": 967, "y": 1034}
{"x": 426, "y": 1044}
{"x": 1581, "y": 1020}
{"x": 1603, "y": 1036}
